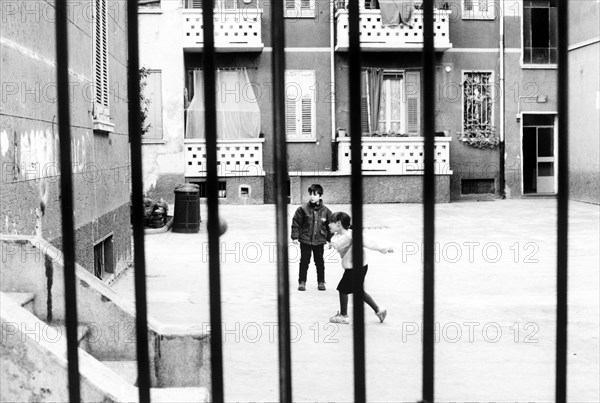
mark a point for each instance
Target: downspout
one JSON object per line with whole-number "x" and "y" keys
{"x": 501, "y": 146}
{"x": 334, "y": 148}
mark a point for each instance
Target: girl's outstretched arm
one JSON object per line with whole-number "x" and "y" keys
{"x": 370, "y": 244}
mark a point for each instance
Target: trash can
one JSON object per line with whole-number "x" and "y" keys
{"x": 186, "y": 215}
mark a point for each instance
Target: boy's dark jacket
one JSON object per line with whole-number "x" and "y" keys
{"x": 310, "y": 224}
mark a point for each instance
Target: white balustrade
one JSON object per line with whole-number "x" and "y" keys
{"x": 235, "y": 30}
{"x": 375, "y": 36}
{"x": 234, "y": 157}
{"x": 395, "y": 155}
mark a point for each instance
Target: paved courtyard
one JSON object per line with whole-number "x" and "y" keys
{"x": 495, "y": 303}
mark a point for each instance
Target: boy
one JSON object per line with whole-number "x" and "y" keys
{"x": 310, "y": 229}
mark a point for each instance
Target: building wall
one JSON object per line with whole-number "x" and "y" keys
{"x": 475, "y": 46}
{"x": 30, "y": 192}
{"x": 584, "y": 101}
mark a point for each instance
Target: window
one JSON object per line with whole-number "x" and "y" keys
{"x": 478, "y": 105}
{"x": 101, "y": 106}
{"x": 103, "y": 257}
{"x": 300, "y": 104}
{"x": 148, "y": 4}
{"x": 478, "y": 10}
{"x": 390, "y": 102}
{"x": 152, "y": 92}
{"x": 300, "y": 8}
{"x": 391, "y": 107}
{"x": 203, "y": 190}
{"x": 238, "y": 114}
{"x": 539, "y": 32}
{"x": 218, "y": 4}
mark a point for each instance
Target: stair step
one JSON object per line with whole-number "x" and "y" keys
{"x": 125, "y": 369}
{"x": 25, "y": 299}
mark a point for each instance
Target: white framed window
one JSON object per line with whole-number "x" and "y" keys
{"x": 391, "y": 107}
{"x": 300, "y": 105}
{"x": 101, "y": 110}
{"x": 478, "y": 105}
{"x": 478, "y": 9}
{"x": 540, "y": 32}
{"x": 390, "y": 102}
{"x": 299, "y": 8}
{"x": 152, "y": 92}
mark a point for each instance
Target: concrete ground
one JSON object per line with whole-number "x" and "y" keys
{"x": 495, "y": 304}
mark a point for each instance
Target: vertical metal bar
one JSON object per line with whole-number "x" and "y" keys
{"x": 66, "y": 189}
{"x": 360, "y": 394}
{"x": 137, "y": 201}
{"x": 562, "y": 227}
{"x": 281, "y": 177}
{"x": 212, "y": 184}
{"x": 428, "y": 202}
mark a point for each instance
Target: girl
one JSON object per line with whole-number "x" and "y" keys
{"x": 339, "y": 224}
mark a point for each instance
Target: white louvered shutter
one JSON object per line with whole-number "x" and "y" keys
{"x": 300, "y": 104}
{"x": 413, "y": 102}
{"x": 100, "y": 59}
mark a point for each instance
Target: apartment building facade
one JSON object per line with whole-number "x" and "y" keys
{"x": 30, "y": 191}
{"x": 495, "y": 112}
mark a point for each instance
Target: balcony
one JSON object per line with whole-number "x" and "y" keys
{"x": 237, "y": 30}
{"x": 395, "y": 155}
{"x": 375, "y": 37}
{"x": 234, "y": 157}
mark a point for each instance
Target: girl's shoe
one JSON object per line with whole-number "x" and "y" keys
{"x": 381, "y": 314}
{"x": 302, "y": 286}
{"x": 340, "y": 319}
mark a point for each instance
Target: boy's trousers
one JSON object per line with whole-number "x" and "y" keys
{"x": 317, "y": 252}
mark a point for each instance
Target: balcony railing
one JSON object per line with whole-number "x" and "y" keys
{"x": 234, "y": 157}
{"x": 395, "y": 155}
{"x": 236, "y": 30}
{"x": 375, "y": 36}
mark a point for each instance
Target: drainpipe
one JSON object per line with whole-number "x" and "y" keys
{"x": 334, "y": 145}
{"x": 502, "y": 149}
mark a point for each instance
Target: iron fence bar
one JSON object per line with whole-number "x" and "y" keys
{"x": 562, "y": 227}
{"x": 137, "y": 201}
{"x": 212, "y": 184}
{"x": 281, "y": 177}
{"x": 428, "y": 202}
{"x": 360, "y": 394}
{"x": 66, "y": 189}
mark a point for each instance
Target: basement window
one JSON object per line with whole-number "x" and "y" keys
{"x": 204, "y": 189}
{"x": 104, "y": 263}
{"x": 477, "y": 186}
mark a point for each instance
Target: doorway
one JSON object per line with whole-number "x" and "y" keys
{"x": 539, "y": 154}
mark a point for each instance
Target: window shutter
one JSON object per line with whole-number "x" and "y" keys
{"x": 300, "y": 104}
{"x": 290, "y": 117}
{"x": 299, "y": 8}
{"x": 194, "y": 3}
{"x": 364, "y": 104}
{"x": 307, "y": 118}
{"x": 100, "y": 55}
{"x": 412, "y": 91}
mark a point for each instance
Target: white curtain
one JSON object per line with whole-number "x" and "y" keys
{"x": 238, "y": 115}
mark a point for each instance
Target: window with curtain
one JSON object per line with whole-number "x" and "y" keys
{"x": 390, "y": 102}
{"x": 540, "y": 20}
{"x": 300, "y": 104}
{"x": 238, "y": 114}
